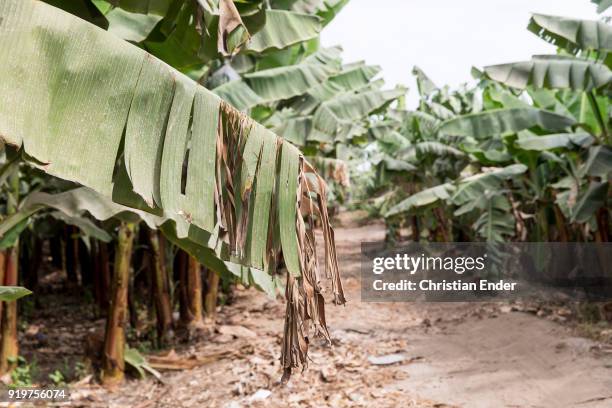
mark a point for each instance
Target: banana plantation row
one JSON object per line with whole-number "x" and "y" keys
{"x": 153, "y": 168}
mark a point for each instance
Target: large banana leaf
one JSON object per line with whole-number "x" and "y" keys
{"x": 392, "y": 164}
{"x": 552, "y": 73}
{"x": 425, "y": 85}
{"x": 422, "y": 199}
{"x": 473, "y": 188}
{"x": 590, "y": 201}
{"x": 295, "y": 128}
{"x": 276, "y": 84}
{"x": 71, "y": 207}
{"x": 598, "y": 163}
{"x": 131, "y": 26}
{"x": 602, "y": 5}
{"x": 238, "y": 94}
{"x": 337, "y": 113}
{"x": 351, "y": 78}
{"x": 558, "y": 140}
{"x": 329, "y": 9}
{"x": 72, "y": 94}
{"x": 431, "y": 148}
{"x": 485, "y": 194}
{"x": 496, "y": 221}
{"x": 392, "y": 138}
{"x": 572, "y": 34}
{"x": 283, "y": 29}
{"x": 10, "y": 293}
{"x": 301, "y": 6}
{"x": 500, "y": 121}
{"x": 285, "y": 82}
{"x": 155, "y": 7}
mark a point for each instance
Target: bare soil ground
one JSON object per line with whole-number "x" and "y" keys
{"x": 454, "y": 355}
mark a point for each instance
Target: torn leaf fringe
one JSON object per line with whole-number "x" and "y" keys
{"x": 305, "y": 301}
{"x": 233, "y": 130}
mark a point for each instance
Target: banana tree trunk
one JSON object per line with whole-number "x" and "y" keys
{"x": 212, "y": 290}
{"x": 9, "y": 346}
{"x": 35, "y": 260}
{"x": 85, "y": 263}
{"x": 57, "y": 254}
{"x": 3, "y": 258}
{"x": 181, "y": 265}
{"x": 132, "y": 302}
{"x": 442, "y": 224}
{"x": 102, "y": 276}
{"x": 161, "y": 286}
{"x": 190, "y": 296}
{"x": 603, "y": 224}
{"x": 561, "y": 222}
{"x": 72, "y": 256}
{"x": 416, "y": 233}
{"x": 542, "y": 224}
{"x": 113, "y": 364}
{"x": 194, "y": 292}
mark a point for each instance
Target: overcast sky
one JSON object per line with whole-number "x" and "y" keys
{"x": 443, "y": 37}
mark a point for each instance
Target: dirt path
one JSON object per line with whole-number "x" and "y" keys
{"x": 466, "y": 355}
{"x": 473, "y": 355}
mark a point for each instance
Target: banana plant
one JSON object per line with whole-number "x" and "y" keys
{"x": 536, "y": 143}
{"x": 143, "y": 134}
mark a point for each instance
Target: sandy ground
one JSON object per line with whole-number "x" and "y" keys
{"x": 454, "y": 355}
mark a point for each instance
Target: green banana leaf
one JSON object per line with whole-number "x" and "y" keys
{"x": 11, "y": 293}
{"x": 129, "y": 26}
{"x": 85, "y": 87}
{"x": 330, "y": 9}
{"x": 496, "y": 221}
{"x": 339, "y": 112}
{"x": 572, "y": 34}
{"x": 552, "y": 73}
{"x": 71, "y": 207}
{"x": 502, "y": 121}
{"x": 351, "y": 78}
{"x": 602, "y": 5}
{"x": 425, "y": 85}
{"x": 84, "y": 224}
{"x": 472, "y": 188}
{"x": 283, "y": 29}
{"x": 238, "y": 94}
{"x": 598, "y": 163}
{"x": 590, "y": 201}
{"x": 392, "y": 164}
{"x": 296, "y": 129}
{"x": 285, "y": 82}
{"x": 436, "y": 149}
{"x": 422, "y": 199}
{"x": 301, "y": 6}
{"x": 155, "y": 7}
{"x": 559, "y": 140}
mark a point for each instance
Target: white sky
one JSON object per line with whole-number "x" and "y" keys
{"x": 445, "y": 38}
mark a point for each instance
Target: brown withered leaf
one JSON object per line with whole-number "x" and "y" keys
{"x": 232, "y": 33}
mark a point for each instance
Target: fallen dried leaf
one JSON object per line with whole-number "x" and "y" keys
{"x": 328, "y": 374}
{"x": 386, "y": 359}
{"x": 237, "y": 331}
